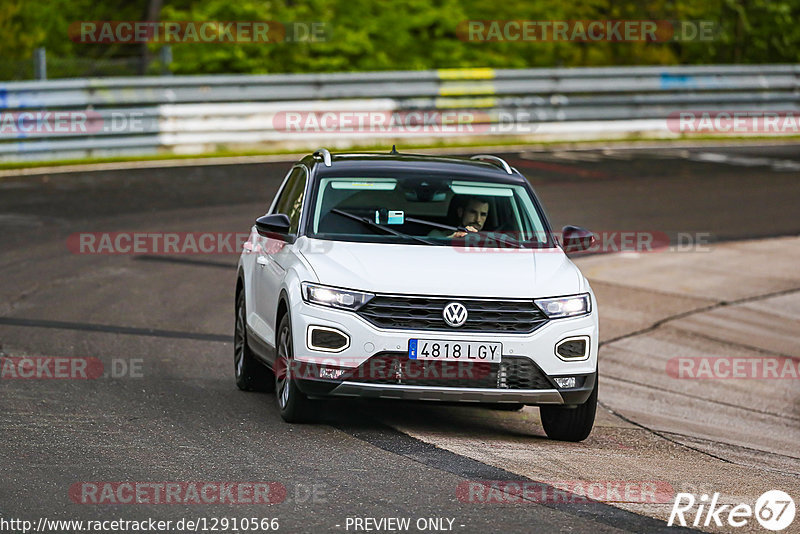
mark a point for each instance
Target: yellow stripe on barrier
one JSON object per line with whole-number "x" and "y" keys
{"x": 479, "y": 102}
{"x": 466, "y": 74}
{"x": 469, "y": 88}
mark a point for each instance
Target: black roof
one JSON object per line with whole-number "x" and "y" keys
{"x": 377, "y": 164}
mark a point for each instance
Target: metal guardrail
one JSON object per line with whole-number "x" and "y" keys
{"x": 186, "y": 114}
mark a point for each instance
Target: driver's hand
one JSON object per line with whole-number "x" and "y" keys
{"x": 462, "y": 234}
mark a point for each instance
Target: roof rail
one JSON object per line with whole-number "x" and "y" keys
{"x": 494, "y": 159}
{"x": 324, "y": 154}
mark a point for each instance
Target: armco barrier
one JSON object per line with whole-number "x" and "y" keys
{"x": 192, "y": 114}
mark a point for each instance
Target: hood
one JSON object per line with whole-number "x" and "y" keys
{"x": 442, "y": 270}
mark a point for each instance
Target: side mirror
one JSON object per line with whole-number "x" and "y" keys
{"x": 577, "y": 239}
{"x": 274, "y": 226}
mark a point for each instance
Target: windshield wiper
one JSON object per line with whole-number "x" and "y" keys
{"x": 372, "y": 224}
{"x": 499, "y": 237}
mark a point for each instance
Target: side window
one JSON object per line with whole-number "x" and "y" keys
{"x": 291, "y": 200}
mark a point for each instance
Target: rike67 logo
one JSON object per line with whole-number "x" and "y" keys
{"x": 774, "y": 510}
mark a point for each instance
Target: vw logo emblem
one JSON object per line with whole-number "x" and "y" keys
{"x": 455, "y": 314}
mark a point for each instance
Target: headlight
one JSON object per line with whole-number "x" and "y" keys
{"x": 565, "y": 306}
{"x": 334, "y": 297}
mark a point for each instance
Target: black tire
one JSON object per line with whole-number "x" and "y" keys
{"x": 570, "y": 424}
{"x": 250, "y": 374}
{"x": 293, "y": 404}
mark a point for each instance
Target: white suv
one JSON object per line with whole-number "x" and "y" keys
{"x": 416, "y": 277}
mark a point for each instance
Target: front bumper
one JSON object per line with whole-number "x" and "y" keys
{"x": 577, "y": 395}
{"x": 368, "y": 341}
{"x": 380, "y": 389}
{"x": 448, "y": 394}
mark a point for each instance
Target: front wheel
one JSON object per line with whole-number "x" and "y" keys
{"x": 250, "y": 374}
{"x": 570, "y": 424}
{"x": 293, "y": 404}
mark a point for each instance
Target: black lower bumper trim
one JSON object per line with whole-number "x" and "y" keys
{"x": 579, "y": 394}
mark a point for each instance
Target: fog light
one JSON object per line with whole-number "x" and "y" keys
{"x": 325, "y": 339}
{"x": 330, "y": 373}
{"x": 565, "y": 382}
{"x": 573, "y": 348}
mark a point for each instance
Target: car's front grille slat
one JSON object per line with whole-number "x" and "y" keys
{"x": 424, "y": 313}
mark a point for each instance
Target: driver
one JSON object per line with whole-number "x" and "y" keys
{"x": 472, "y": 216}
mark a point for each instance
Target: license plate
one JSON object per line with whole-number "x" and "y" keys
{"x": 454, "y": 351}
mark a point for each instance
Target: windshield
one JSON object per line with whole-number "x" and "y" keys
{"x": 426, "y": 210}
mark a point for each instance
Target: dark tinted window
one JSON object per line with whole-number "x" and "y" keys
{"x": 414, "y": 205}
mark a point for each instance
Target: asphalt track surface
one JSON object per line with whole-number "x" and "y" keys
{"x": 184, "y": 419}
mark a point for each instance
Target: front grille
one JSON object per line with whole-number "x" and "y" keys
{"x": 514, "y": 372}
{"x": 425, "y": 313}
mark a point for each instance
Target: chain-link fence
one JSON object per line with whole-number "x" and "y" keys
{"x": 48, "y": 66}
{"x": 17, "y": 70}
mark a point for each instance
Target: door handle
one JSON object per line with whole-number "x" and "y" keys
{"x": 262, "y": 260}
